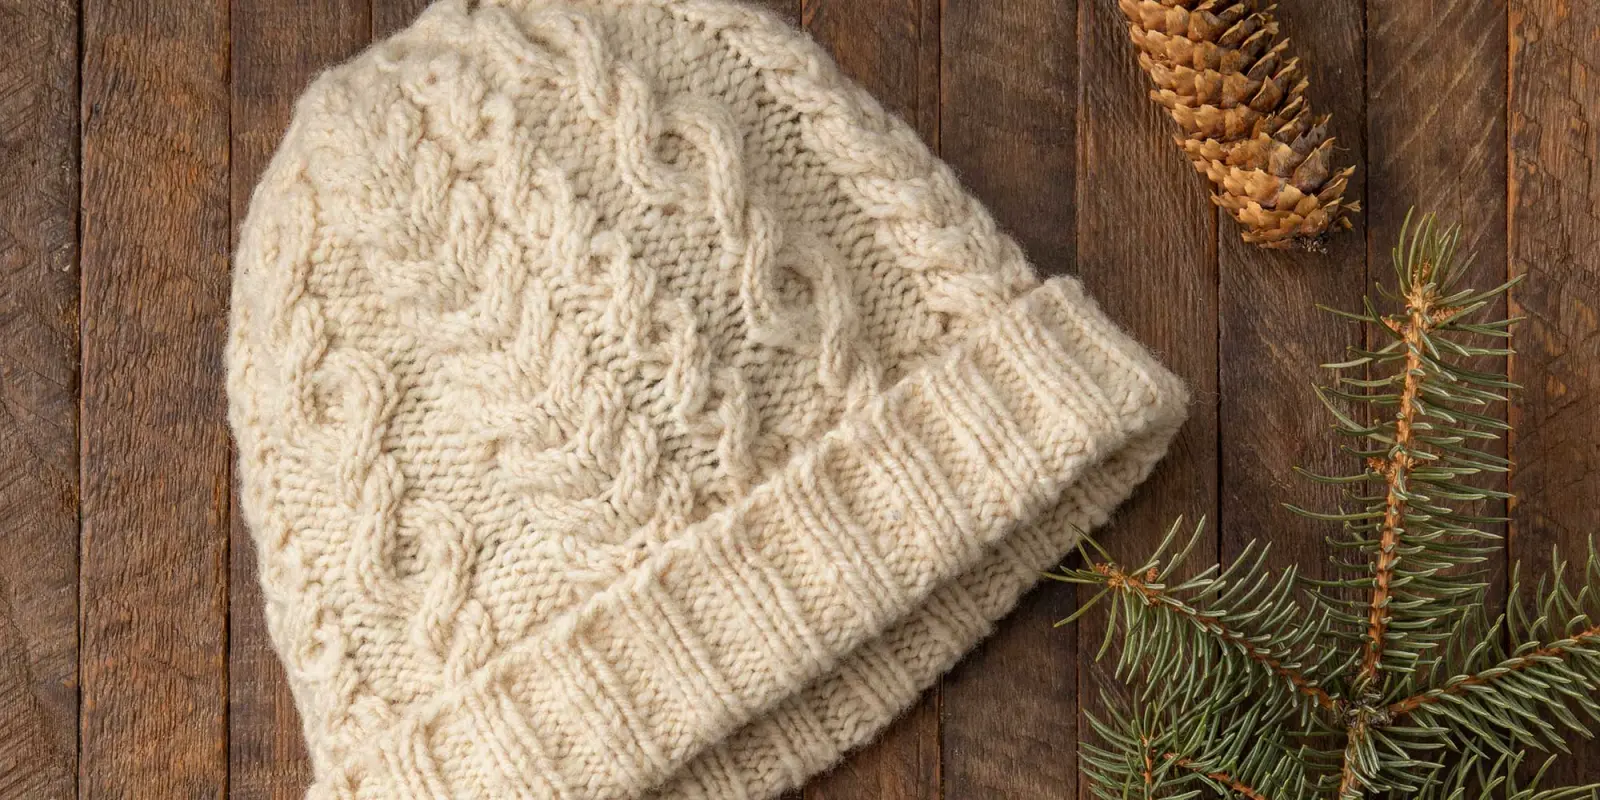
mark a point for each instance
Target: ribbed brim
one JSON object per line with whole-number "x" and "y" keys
{"x": 905, "y": 518}
{"x": 847, "y": 708}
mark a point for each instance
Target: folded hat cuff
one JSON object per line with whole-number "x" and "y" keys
{"x": 763, "y": 597}
{"x": 810, "y": 730}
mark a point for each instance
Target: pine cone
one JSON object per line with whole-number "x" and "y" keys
{"x": 1240, "y": 101}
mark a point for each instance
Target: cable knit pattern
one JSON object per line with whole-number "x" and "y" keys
{"x": 627, "y": 406}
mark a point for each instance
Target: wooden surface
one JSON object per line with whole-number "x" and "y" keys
{"x": 133, "y": 657}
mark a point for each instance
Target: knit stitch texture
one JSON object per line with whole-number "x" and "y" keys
{"x": 627, "y": 406}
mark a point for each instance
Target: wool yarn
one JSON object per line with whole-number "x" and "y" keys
{"x": 628, "y": 406}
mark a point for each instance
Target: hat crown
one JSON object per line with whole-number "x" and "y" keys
{"x": 580, "y": 279}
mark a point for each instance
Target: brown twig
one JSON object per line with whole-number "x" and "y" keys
{"x": 1349, "y": 782}
{"x": 1490, "y": 675}
{"x": 1117, "y": 579}
{"x": 1394, "y": 471}
{"x": 1240, "y": 787}
{"x": 1149, "y": 763}
{"x": 1420, "y": 317}
{"x": 1243, "y": 789}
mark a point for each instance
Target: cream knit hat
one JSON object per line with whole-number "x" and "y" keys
{"x": 627, "y": 406}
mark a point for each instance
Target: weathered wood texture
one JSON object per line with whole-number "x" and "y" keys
{"x": 1554, "y": 240}
{"x": 279, "y": 46}
{"x": 1273, "y": 336}
{"x": 1014, "y": 142}
{"x": 1147, "y": 251}
{"x": 155, "y": 244}
{"x": 38, "y": 399}
{"x": 1440, "y": 151}
{"x": 133, "y": 655}
{"x": 389, "y": 16}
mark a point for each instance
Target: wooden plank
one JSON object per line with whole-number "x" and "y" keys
{"x": 38, "y": 399}
{"x": 1274, "y": 337}
{"x": 889, "y": 46}
{"x": 279, "y": 46}
{"x": 1146, "y": 251}
{"x": 1008, "y": 126}
{"x": 389, "y": 16}
{"x": 155, "y": 240}
{"x": 892, "y": 48}
{"x": 1146, "y": 239}
{"x": 1554, "y": 235}
{"x": 1454, "y": 90}
{"x": 1436, "y": 130}
{"x": 902, "y": 764}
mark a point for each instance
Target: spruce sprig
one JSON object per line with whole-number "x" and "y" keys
{"x": 1392, "y": 679}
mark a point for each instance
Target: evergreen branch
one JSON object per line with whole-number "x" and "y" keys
{"x": 1525, "y": 693}
{"x": 1152, "y": 595}
{"x": 1350, "y": 782}
{"x": 1389, "y": 681}
{"x": 1420, "y": 316}
{"x": 1497, "y": 779}
{"x": 1170, "y": 630}
{"x": 1233, "y": 784}
{"x": 1417, "y": 544}
{"x": 1227, "y": 744}
{"x": 1533, "y": 659}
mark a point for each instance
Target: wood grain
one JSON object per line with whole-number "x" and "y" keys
{"x": 1436, "y": 141}
{"x": 389, "y": 16}
{"x": 1274, "y": 337}
{"x": 892, "y": 48}
{"x": 279, "y": 46}
{"x": 1008, "y": 126}
{"x": 889, "y": 46}
{"x": 112, "y": 431}
{"x": 1009, "y": 118}
{"x": 38, "y": 399}
{"x": 1554, "y": 239}
{"x": 1436, "y": 130}
{"x": 155, "y": 240}
{"x": 902, "y": 764}
{"x": 1146, "y": 239}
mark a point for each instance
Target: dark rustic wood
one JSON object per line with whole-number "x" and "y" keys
{"x": 1436, "y": 132}
{"x": 133, "y": 655}
{"x": 889, "y": 46}
{"x": 1146, "y": 239}
{"x": 903, "y": 764}
{"x": 1273, "y": 336}
{"x": 38, "y": 399}
{"x": 1554, "y": 239}
{"x": 155, "y": 241}
{"x": 892, "y": 48}
{"x": 1009, "y": 91}
{"x": 278, "y": 47}
{"x": 1008, "y": 126}
{"x": 32, "y": 762}
{"x": 389, "y": 16}
{"x": 1440, "y": 150}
